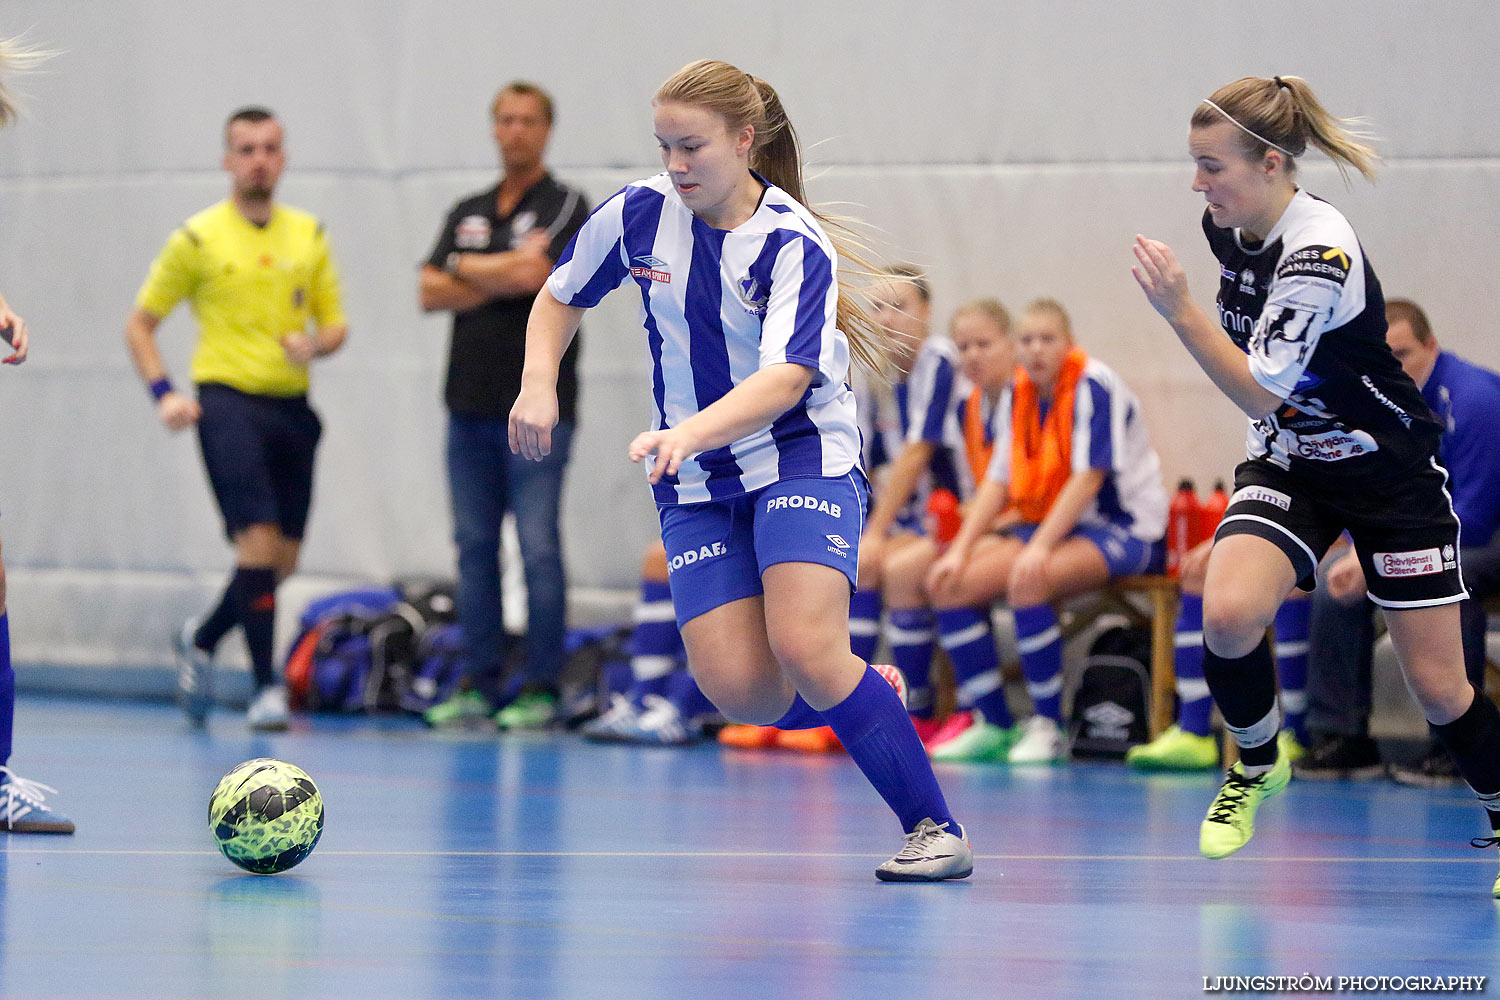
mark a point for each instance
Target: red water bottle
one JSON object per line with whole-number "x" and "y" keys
{"x": 943, "y": 517}
{"x": 1213, "y": 510}
{"x": 1184, "y": 521}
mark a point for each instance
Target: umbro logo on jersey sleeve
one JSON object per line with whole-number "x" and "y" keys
{"x": 650, "y": 267}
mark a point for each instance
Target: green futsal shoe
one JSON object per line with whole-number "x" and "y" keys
{"x": 982, "y": 741}
{"x": 1231, "y": 819}
{"x": 1175, "y": 750}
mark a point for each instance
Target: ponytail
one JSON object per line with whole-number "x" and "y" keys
{"x": 741, "y": 100}
{"x": 1283, "y": 113}
{"x": 15, "y": 57}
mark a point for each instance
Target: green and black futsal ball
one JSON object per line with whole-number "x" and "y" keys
{"x": 266, "y": 815}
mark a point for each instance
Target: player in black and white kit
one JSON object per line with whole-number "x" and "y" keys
{"x": 1340, "y": 439}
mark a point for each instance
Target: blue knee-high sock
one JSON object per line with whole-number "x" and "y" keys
{"x": 655, "y": 641}
{"x": 1039, "y": 641}
{"x": 966, "y": 635}
{"x": 800, "y": 716}
{"x": 689, "y": 698}
{"x": 876, "y": 730}
{"x": 1192, "y": 690}
{"x": 864, "y": 623}
{"x": 908, "y": 632}
{"x": 1291, "y": 663}
{"x": 7, "y": 691}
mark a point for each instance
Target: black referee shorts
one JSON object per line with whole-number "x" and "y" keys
{"x": 1403, "y": 528}
{"x": 259, "y": 452}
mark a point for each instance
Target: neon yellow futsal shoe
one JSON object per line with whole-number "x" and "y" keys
{"x": 1288, "y": 747}
{"x": 1483, "y": 842}
{"x": 1175, "y": 750}
{"x": 1231, "y": 819}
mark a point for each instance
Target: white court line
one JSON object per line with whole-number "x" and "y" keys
{"x": 1477, "y": 859}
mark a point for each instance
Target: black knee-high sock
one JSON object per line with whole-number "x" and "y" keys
{"x": 224, "y": 617}
{"x": 1473, "y": 741}
{"x": 1245, "y": 691}
{"x": 255, "y": 601}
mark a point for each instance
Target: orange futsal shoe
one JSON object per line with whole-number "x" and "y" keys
{"x": 820, "y": 740}
{"x": 749, "y": 737}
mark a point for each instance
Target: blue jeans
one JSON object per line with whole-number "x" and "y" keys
{"x": 485, "y": 481}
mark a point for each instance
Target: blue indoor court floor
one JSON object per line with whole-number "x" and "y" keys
{"x": 476, "y": 866}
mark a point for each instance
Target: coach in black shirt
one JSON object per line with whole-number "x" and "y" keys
{"x": 493, "y": 255}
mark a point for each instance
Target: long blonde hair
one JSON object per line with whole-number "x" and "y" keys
{"x": 1284, "y": 113}
{"x": 744, "y": 100}
{"x": 15, "y": 57}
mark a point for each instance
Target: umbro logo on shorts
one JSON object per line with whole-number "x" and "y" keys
{"x": 838, "y": 541}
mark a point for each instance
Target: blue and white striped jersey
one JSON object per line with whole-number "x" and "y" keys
{"x": 717, "y": 306}
{"x": 1109, "y": 432}
{"x": 918, "y": 408}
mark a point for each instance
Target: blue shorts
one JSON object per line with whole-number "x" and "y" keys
{"x": 258, "y": 451}
{"x": 1125, "y": 554}
{"x": 717, "y": 551}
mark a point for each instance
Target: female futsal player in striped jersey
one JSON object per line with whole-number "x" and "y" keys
{"x": 754, "y": 454}
{"x": 1339, "y": 439}
{"x": 23, "y": 806}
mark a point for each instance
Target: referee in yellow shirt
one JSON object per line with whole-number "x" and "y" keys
{"x": 262, "y": 282}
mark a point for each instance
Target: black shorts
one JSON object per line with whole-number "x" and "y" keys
{"x": 258, "y": 451}
{"x": 1404, "y": 528}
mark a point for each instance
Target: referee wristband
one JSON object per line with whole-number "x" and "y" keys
{"x": 161, "y": 387}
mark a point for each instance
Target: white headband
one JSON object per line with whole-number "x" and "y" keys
{"x": 1256, "y": 136}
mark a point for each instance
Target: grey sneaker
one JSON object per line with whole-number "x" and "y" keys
{"x": 23, "y": 806}
{"x": 614, "y": 725}
{"x": 931, "y": 854}
{"x": 195, "y": 673}
{"x": 268, "y": 711}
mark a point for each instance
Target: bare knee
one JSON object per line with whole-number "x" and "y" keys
{"x": 905, "y": 574}
{"x": 1233, "y": 627}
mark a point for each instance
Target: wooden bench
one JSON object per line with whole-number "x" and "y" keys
{"x": 1162, "y": 595}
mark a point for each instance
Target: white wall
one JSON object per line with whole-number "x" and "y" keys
{"x": 1014, "y": 149}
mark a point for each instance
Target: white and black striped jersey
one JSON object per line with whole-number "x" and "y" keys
{"x": 717, "y": 306}
{"x": 1305, "y": 305}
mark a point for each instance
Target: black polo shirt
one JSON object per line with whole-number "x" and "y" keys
{"x": 488, "y": 348}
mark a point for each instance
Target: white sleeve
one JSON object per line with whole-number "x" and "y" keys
{"x": 594, "y": 263}
{"x": 1300, "y": 305}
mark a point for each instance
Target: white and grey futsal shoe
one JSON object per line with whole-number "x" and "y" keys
{"x": 932, "y": 854}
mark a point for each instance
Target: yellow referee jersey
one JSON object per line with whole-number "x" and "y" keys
{"x": 248, "y": 285}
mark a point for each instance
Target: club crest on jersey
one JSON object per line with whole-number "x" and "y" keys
{"x": 472, "y": 233}
{"x": 753, "y": 297}
{"x": 1247, "y": 281}
{"x": 650, "y": 267}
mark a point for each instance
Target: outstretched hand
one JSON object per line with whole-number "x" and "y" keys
{"x": 1161, "y": 277}
{"x": 671, "y": 446}
{"x": 13, "y": 329}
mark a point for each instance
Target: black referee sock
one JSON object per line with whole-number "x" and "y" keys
{"x": 1245, "y": 691}
{"x": 219, "y": 621}
{"x": 1473, "y": 741}
{"x": 255, "y": 601}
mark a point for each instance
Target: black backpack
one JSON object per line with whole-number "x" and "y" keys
{"x": 1110, "y": 713}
